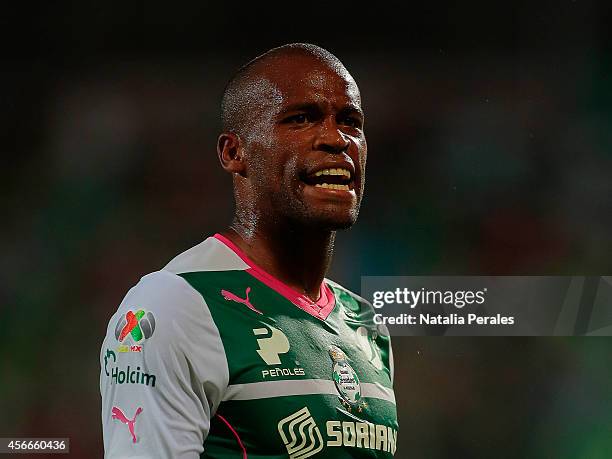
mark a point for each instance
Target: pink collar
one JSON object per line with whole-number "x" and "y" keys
{"x": 319, "y": 309}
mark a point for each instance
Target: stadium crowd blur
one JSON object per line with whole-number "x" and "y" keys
{"x": 484, "y": 158}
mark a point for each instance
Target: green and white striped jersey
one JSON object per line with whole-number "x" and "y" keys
{"x": 213, "y": 357}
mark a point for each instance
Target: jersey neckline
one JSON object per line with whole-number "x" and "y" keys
{"x": 320, "y": 309}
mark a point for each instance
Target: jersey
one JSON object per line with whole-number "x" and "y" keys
{"x": 213, "y": 357}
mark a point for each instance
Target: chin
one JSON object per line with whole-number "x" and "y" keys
{"x": 338, "y": 226}
{"x": 332, "y": 221}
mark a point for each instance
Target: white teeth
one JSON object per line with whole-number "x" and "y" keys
{"x": 333, "y": 186}
{"x": 341, "y": 171}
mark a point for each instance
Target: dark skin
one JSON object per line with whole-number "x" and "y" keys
{"x": 308, "y": 118}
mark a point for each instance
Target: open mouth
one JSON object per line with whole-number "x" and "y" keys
{"x": 332, "y": 179}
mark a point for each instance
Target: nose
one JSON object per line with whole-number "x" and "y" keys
{"x": 330, "y": 138}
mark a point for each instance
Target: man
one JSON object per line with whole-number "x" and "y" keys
{"x": 240, "y": 347}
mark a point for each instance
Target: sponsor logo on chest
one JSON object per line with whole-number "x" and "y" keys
{"x": 302, "y": 437}
{"x": 272, "y": 344}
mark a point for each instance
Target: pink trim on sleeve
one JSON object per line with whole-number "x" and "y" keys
{"x": 319, "y": 309}
{"x": 244, "y": 453}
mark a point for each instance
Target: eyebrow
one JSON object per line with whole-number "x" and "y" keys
{"x": 349, "y": 109}
{"x": 309, "y": 106}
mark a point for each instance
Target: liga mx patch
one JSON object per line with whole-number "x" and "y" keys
{"x": 133, "y": 329}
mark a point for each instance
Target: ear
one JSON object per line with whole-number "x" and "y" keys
{"x": 230, "y": 152}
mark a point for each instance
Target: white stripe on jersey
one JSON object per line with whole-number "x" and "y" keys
{"x": 271, "y": 389}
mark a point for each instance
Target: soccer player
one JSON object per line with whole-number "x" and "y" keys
{"x": 240, "y": 347}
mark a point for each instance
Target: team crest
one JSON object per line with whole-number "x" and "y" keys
{"x": 346, "y": 380}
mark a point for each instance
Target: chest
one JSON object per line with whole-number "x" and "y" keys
{"x": 298, "y": 386}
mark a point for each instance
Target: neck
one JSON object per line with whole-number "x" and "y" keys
{"x": 299, "y": 257}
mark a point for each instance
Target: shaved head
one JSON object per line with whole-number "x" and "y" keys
{"x": 249, "y": 89}
{"x": 288, "y": 114}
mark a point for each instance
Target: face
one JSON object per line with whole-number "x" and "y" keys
{"x": 305, "y": 151}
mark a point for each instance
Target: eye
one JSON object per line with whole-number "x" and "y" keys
{"x": 299, "y": 118}
{"x": 352, "y": 121}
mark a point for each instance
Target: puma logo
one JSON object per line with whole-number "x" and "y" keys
{"x": 118, "y": 414}
{"x": 229, "y": 296}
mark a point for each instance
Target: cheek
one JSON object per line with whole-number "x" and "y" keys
{"x": 286, "y": 158}
{"x": 257, "y": 138}
{"x": 291, "y": 165}
{"x": 360, "y": 151}
{"x": 275, "y": 167}
{"x": 363, "y": 154}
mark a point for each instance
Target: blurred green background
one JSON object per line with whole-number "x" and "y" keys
{"x": 490, "y": 152}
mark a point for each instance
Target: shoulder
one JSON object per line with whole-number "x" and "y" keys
{"x": 163, "y": 322}
{"x": 347, "y": 294}
{"x": 161, "y": 288}
{"x": 357, "y": 307}
{"x": 166, "y": 293}
{"x": 209, "y": 255}
{"x": 168, "y": 302}
{"x": 161, "y": 308}
{"x": 163, "y": 292}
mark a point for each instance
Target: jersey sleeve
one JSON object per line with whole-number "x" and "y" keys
{"x": 163, "y": 371}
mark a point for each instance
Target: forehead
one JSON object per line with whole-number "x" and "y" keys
{"x": 299, "y": 79}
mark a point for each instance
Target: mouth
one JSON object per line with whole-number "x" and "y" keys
{"x": 337, "y": 179}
